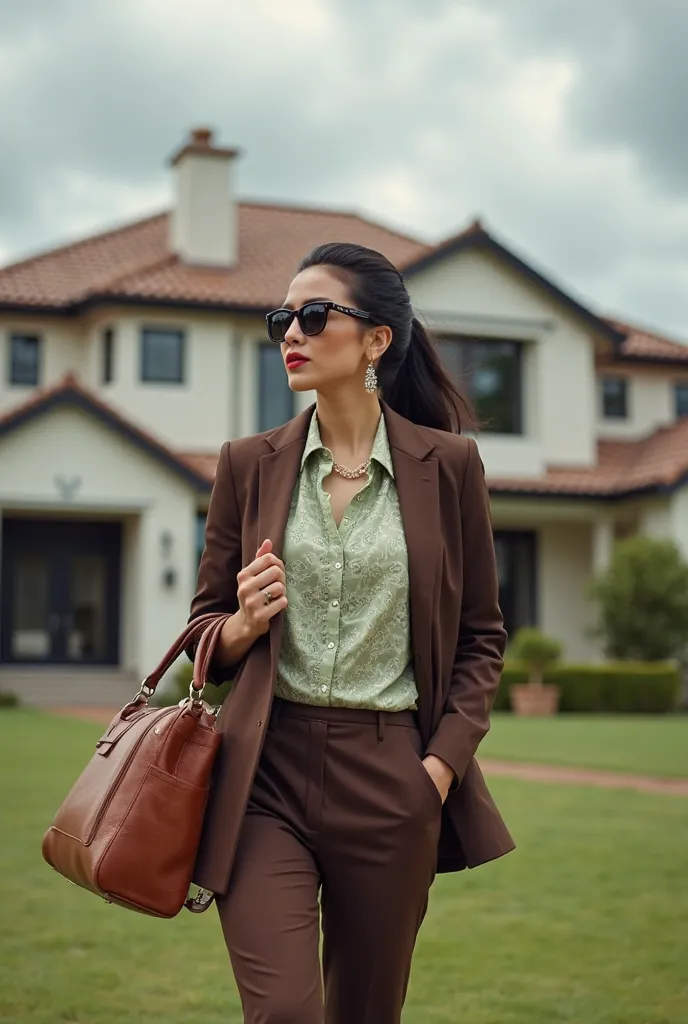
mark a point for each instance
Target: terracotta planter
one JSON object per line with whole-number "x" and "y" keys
{"x": 532, "y": 700}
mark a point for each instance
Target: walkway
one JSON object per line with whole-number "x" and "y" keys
{"x": 584, "y": 777}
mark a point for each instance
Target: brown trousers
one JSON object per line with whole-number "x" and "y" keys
{"x": 341, "y": 805}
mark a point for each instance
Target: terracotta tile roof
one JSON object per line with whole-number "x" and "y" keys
{"x": 642, "y": 344}
{"x": 135, "y": 261}
{"x": 203, "y": 463}
{"x": 656, "y": 462}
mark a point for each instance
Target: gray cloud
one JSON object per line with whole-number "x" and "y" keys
{"x": 560, "y": 124}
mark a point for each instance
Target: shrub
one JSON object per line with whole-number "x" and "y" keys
{"x": 9, "y": 700}
{"x": 642, "y": 601}
{"x": 631, "y": 687}
{"x": 536, "y": 651}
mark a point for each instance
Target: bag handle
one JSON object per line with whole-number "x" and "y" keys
{"x": 193, "y": 631}
{"x": 206, "y": 651}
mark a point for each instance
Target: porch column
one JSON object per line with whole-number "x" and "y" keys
{"x": 602, "y": 544}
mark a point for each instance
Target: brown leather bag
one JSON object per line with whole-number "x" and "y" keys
{"x": 130, "y": 826}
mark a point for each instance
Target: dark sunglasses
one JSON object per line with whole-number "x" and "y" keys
{"x": 312, "y": 318}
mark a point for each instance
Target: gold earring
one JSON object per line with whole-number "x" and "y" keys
{"x": 370, "y": 381}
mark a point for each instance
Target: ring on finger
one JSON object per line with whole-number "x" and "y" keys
{"x": 268, "y": 596}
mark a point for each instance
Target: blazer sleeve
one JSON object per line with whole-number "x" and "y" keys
{"x": 216, "y": 590}
{"x": 482, "y": 638}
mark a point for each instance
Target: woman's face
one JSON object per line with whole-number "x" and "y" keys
{"x": 339, "y": 354}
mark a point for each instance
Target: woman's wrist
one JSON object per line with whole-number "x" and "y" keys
{"x": 235, "y": 640}
{"x": 440, "y": 772}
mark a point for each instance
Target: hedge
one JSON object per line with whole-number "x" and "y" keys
{"x": 629, "y": 686}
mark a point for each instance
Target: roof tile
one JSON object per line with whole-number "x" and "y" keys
{"x": 135, "y": 261}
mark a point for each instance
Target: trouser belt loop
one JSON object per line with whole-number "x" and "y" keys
{"x": 380, "y": 726}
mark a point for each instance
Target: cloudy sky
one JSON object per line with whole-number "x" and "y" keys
{"x": 562, "y": 125}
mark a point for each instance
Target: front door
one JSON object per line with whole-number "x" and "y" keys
{"x": 60, "y": 592}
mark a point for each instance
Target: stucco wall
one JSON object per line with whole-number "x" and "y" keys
{"x": 193, "y": 415}
{"x": 678, "y": 517}
{"x": 564, "y": 570}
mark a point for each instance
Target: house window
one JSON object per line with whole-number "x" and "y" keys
{"x": 614, "y": 398}
{"x": 108, "y": 355}
{"x": 490, "y": 375}
{"x": 162, "y": 356}
{"x": 275, "y": 397}
{"x": 681, "y": 394}
{"x": 517, "y": 574}
{"x": 25, "y": 357}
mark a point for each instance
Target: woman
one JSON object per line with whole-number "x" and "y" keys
{"x": 354, "y": 547}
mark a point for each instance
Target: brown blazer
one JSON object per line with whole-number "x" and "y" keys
{"x": 457, "y": 631}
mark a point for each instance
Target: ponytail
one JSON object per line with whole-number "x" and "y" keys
{"x": 413, "y": 380}
{"x": 423, "y": 392}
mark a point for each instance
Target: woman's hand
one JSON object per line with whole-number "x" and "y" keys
{"x": 440, "y": 773}
{"x": 265, "y": 574}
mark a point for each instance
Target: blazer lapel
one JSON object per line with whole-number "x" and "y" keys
{"x": 278, "y": 472}
{"x": 418, "y": 490}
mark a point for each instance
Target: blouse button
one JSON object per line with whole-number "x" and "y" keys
{"x": 337, "y": 565}
{"x": 335, "y": 604}
{"x": 331, "y": 645}
{"x": 324, "y": 689}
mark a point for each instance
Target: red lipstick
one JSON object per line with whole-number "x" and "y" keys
{"x": 295, "y": 359}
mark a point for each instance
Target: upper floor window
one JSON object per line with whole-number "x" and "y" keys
{"x": 681, "y": 394}
{"x": 490, "y": 374}
{"x": 25, "y": 358}
{"x": 275, "y": 397}
{"x": 162, "y": 355}
{"x": 108, "y": 365}
{"x": 614, "y": 398}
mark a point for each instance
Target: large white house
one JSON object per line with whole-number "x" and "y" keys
{"x": 127, "y": 358}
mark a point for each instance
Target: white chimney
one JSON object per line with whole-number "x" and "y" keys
{"x": 203, "y": 225}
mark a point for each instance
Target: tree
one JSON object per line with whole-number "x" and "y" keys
{"x": 537, "y": 651}
{"x": 642, "y": 601}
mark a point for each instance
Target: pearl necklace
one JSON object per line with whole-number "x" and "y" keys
{"x": 351, "y": 474}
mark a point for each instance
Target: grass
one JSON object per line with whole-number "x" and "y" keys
{"x": 643, "y": 744}
{"x": 585, "y": 923}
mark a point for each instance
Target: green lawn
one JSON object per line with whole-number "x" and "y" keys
{"x": 585, "y": 923}
{"x": 645, "y": 744}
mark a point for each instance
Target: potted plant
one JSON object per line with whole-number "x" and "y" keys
{"x": 537, "y": 652}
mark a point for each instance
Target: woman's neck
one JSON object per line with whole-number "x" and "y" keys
{"x": 348, "y": 427}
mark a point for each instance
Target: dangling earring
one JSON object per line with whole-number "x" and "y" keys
{"x": 370, "y": 381}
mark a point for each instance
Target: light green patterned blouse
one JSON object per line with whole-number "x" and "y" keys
{"x": 346, "y": 640}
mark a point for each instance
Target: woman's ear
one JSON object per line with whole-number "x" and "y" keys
{"x": 379, "y": 343}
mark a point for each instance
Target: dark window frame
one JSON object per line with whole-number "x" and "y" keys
{"x": 108, "y": 355}
{"x": 264, "y": 420}
{"x": 527, "y": 542}
{"x": 681, "y": 403}
{"x": 146, "y": 376}
{"x": 468, "y": 347}
{"x": 607, "y": 413}
{"x": 15, "y": 380}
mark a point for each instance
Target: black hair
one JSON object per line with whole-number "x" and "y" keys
{"x": 412, "y": 379}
